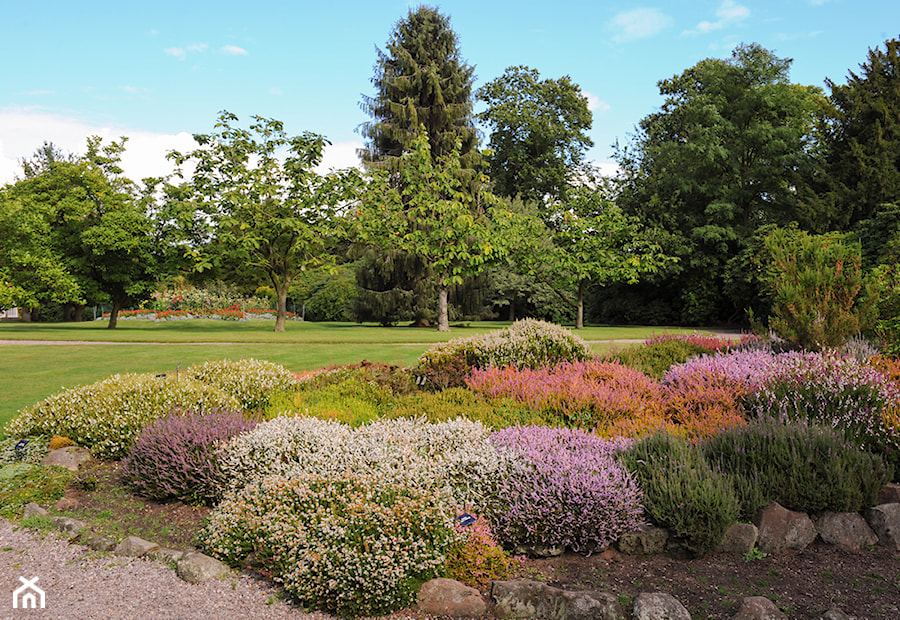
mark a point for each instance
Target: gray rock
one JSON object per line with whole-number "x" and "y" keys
{"x": 135, "y": 547}
{"x": 835, "y": 614}
{"x": 739, "y": 539}
{"x": 649, "y": 541}
{"x": 33, "y": 510}
{"x": 448, "y": 597}
{"x": 195, "y": 567}
{"x": 759, "y": 608}
{"x": 532, "y": 599}
{"x": 659, "y": 606}
{"x": 846, "y": 529}
{"x": 781, "y": 529}
{"x": 72, "y": 458}
{"x": 890, "y": 494}
{"x": 96, "y": 541}
{"x": 885, "y": 522}
{"x": 69, "y": 527}
{"x": 164, "y": 554}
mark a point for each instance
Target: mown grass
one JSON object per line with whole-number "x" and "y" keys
{"x": 30, "y": 373}
{"x": 260, "y": 331}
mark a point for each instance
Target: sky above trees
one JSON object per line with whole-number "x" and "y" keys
{"x": 159, "y": 72}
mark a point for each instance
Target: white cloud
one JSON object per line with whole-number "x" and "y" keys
{"x": 638, "y": 24}
{"x": 275, "y": 91}
{"x": 177, "y": 52}
{"x": 728, "y": 14}
{"x": 594, "y": 102}
{"x": 24, "y": 130}
{"x": 197, "y": 47}
{"x": 233, "y": 50}
{"x": 339, "y": 155}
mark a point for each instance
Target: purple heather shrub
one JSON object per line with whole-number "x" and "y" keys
{"x": 568, "y": 491}
{"x": 178, "y": 456}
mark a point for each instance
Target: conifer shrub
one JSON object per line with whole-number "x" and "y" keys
{"x": 804, "y": 467}
{"x": 524, "y": 344}
{"x": 178, "y": 456}
{"x": 566, "y": 491}
{"x": 252, "y": 382}
{"x": 682, "y": 492}
{"x": 107, "y": 416}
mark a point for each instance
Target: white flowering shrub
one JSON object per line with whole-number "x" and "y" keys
{"x": 248, "y": 380}
{"x": 524, "y": 344}
{"x": 412, "y": 453}
{"x": 108, "y": 415}
{"x": 353, "y": 544}
{"x": 350, "y": 519}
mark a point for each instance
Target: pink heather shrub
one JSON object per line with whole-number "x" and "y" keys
{"x": 178, "y": 456}
{"x": 702, "y": 403}
{"x": 592, "y": 394}
{"x": 568, "y": 491}
{"x": 708, "y": 342}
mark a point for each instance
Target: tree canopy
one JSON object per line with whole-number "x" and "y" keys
{"x": 538, "y": 133}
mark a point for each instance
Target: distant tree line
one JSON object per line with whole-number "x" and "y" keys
{"x": 435, "y": 228}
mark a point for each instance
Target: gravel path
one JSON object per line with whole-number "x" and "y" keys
{"x": 81, "y": 584}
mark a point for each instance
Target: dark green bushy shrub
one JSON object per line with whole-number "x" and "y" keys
{"x": 656, "y": 358}
{"x": 803, "y": 467}
{"x": 682, "y": 493}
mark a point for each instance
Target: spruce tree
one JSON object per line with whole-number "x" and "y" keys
{"x": 864, "y": 150}
{"x": 420, "y": 79}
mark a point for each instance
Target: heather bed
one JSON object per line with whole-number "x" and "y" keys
{"x": 343, "y": 466}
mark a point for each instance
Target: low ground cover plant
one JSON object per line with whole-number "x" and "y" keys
{"x": 22, "y": 483}
{"x": 178, "y": 456}
{"x": 567, "y": 491}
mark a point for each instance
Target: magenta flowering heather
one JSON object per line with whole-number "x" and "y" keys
{"x": 569, "y": 491}
{"x": 178, "y": 456}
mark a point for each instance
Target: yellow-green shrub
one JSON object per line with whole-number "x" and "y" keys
{"x": 250, "y": 381}
{"x": 107, "y": 416}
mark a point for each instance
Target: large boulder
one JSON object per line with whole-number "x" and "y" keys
{"x": 739, "y": 539}
{"x": 72, "y": 458}
{"x": 885, "y": 522}
{"x": 532, "y": 599}
{"x": 782, "y": 530}
{"x": 447, "y": 597}
{"x": 759, "y": 608}
{"x": 846, "y": 529}
{"x": 648, "y": 541}
{"x": 659, "y": 606}
{"x": 196, "y": 567}
{"x": 135, "y": 547}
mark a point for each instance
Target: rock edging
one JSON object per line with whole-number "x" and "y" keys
{"x": 191, "y": 566}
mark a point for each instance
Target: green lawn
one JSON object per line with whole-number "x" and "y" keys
{"x": 29, "y": 373}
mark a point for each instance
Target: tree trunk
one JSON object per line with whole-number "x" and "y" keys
{"x": 114, "y": 315}
{"x": 281, "y": 305}
{"x": 579, "y": 322}
{"x": 443, "y": 314}
{"x": 78, "y": 314}
{"x": 512, "y": 310}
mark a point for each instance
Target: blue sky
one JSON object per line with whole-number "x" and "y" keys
{"x": 161, "y": 71}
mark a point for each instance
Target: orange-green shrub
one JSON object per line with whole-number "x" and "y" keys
{"x": 592, "y": 395}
